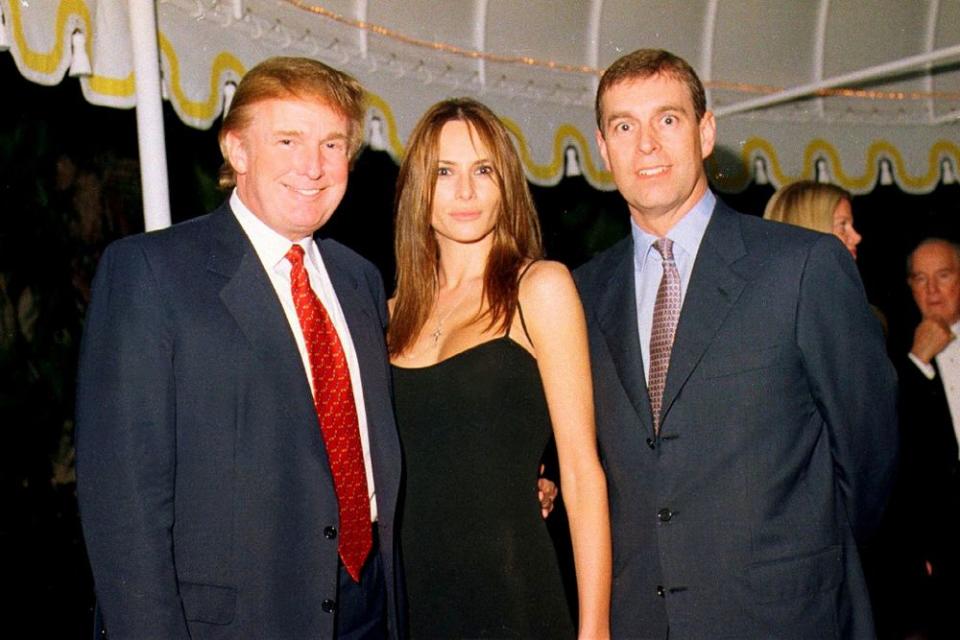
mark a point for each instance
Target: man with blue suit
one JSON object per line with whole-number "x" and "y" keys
{"x": 737, "y": 506}
{"x": 237, "y": 458}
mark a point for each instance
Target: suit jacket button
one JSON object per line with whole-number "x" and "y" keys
{"x": 660, "y": 590}
{"x": 328, "y": 606}
{"x": 329, "y": 533}
{"x": 664, "y": 515}
{"x": 651, "y": 443}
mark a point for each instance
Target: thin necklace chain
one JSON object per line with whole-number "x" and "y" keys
{"x": 438, "y": 332}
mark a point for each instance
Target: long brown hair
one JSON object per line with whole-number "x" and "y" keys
{"x": 516, "y": 236}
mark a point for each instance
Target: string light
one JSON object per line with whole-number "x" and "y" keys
{"x": 443, "y": 46}
{"x": 741, "y": 87}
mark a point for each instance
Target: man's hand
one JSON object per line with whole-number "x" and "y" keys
{"x": 547, "y": 493}
{"x": 930, "y": 338}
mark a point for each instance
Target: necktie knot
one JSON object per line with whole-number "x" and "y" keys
{"x": 664, "y": 247}
{"x": 295, "y": 255}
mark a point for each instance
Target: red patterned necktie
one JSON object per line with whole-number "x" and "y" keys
{"x": 337, "y": 413}
{"x": 666, "y": 313}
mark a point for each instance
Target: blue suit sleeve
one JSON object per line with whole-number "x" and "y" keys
{"x": 126, "y": 445}
{"x": 852, "y": 380}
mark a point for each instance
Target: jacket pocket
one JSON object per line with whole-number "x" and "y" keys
{"x": 734, "y": 362}
{"x": 796, "y": 577}
{"x": 208, "y": 603}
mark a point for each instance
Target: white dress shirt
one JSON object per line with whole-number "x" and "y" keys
{"x": 272, "y": 248}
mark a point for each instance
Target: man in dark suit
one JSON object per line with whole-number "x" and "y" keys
{"x": 930, "y": 423}
{"x": 737, "y": 506}
{"x": 238, "y": 462}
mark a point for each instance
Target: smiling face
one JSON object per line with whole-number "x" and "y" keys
{"x": 466, "y": 197}
{"x": 653, "y": 144}
{"x": 843, "y": 227}
{"x": 291, "y": 162}
{"x": 935, "y": 281}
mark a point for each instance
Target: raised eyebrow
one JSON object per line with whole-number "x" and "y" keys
{"x": 334, "y": 137}
{"x": 623, "y": 115}
{"x": 670, "y": 108}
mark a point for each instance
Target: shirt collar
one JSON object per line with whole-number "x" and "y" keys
{"x": 271, "y": 247}
{"x": 686, "y": 234}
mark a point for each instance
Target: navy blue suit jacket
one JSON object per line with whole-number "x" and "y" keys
{"x": 206, "y": 497}
{"x": 777, "y": 444}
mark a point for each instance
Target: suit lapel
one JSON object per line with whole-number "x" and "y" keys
{"x": 251, "y": 299}
{"x": 713, "y": 291}
{"x": 617, "y": 318}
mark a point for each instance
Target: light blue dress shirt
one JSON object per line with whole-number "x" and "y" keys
{"x": 648, "y": 264}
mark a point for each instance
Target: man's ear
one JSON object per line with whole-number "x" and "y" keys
{"x": 236, "y": 151}
{"x": 708, "y": 134}
{"x": 602, "y": 145}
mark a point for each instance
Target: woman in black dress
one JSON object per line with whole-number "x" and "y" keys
{"x": 489, "y": 348}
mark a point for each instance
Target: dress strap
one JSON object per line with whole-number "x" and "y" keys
{"x": 523, "y": 322}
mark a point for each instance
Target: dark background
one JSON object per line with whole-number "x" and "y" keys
{"x": 69, "y": 184}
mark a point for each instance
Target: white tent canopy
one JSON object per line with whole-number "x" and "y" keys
{"x": 841, "y": 90}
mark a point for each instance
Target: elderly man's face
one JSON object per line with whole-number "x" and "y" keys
{"x": 935, "y": 282}
{"x": 291, "y": 162}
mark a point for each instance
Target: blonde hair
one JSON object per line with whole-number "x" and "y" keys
{"x": 806, "y": 204}
{"x": 284, "y": 77}
{"x": 516, "y": 236}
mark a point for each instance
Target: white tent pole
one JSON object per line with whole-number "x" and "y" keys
{"x": 862, "y": 75}
{"x": 150, "y": 136}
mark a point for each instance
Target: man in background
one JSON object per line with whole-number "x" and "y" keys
{"x": 929, "y": 499}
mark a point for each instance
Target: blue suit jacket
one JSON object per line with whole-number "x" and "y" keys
{"x": 777, "y": 444}
{"x": 205, "y": 492}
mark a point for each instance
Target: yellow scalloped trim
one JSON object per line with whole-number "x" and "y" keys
{"x": 729, "y": 178}
{"x": 395, "y": 144}
{"x": 820, "y": 148}
{"x": 202, "y": 110}
{"x": 47, "y": 61}
{"x": 549, "y": 172}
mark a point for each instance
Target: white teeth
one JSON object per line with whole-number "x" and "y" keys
{"x": 307, "y": 192}
{"x": 652, "y": 172}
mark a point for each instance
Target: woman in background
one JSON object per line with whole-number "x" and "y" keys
{"x": 489, "y": 348}
{"x": 818, "y": 206}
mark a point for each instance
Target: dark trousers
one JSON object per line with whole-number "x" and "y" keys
{"x": 362, "y": 607}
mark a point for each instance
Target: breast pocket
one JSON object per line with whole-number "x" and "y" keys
{"x": 731, "y": 363}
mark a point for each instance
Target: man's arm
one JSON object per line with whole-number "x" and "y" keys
{"x": 929, "y": 338}
{"x": 126, "y": 449}
{"x": 852, "y": 380}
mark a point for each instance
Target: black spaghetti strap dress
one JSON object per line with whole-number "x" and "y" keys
{"x": 478, "y": 558}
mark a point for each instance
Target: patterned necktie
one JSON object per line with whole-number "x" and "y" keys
{"x": 337, "y": 413}
{"x": 666, "y": 313}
